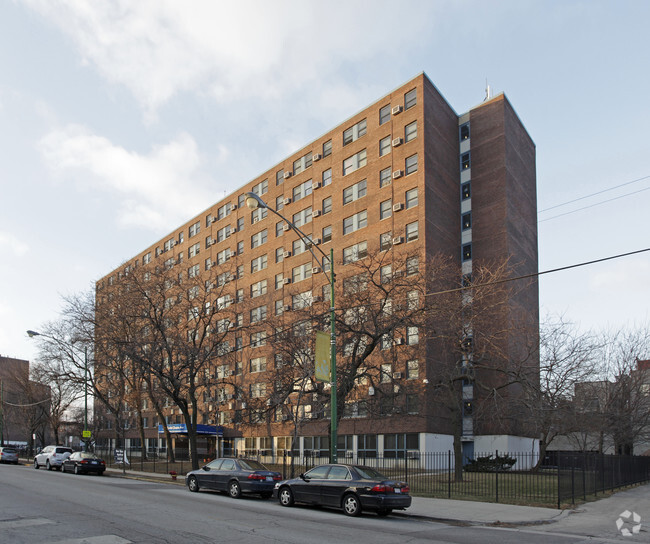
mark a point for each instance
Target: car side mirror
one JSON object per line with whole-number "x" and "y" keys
{"x": 303, "y": 477}
{"x": 206, "y": 467}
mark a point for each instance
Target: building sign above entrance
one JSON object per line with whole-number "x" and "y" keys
{"x": 181, "y": 428}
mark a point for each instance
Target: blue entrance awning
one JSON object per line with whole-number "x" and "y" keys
{"x": 181, "y": 428}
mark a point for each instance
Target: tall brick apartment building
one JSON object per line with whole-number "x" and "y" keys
{"x": 405, "y": 173}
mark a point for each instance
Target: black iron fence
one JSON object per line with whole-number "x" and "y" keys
{"x": 515, "y": 478}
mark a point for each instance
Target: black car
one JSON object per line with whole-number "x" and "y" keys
{"x": 234, "y": 476}
{"x": 353, "y": 488}
{"x": 82, "y": 462}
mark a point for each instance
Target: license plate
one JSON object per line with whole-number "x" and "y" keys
{"x": 93, "y": 462}
{"x": 398, "y": 490}
{"x": 269, "y": 478}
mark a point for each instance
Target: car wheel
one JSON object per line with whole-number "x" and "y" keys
{"x": 234, "y": 490}
{"x": 193, "y": 484}
{"x": 35, "y": 464}
{"x": 63, "y": 468}
{"x": 47, "y": 465}
{"x": 266, "y": 495}
{"x": 76, "y": 469}
{"x": 384, "y": 512}
{"x": 351, "y": 505}
{"x": 286, "y": 496}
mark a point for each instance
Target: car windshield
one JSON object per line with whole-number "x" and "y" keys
{"x": 62, "y": 450}
{"x": 251, "y": 464}
{"x": 7, "y": 450}
{"x": 86, "y": 455}
{"x": 368, "y": 473}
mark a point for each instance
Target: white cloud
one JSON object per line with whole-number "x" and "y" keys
{"x": 628, "y": 274}
{"x": 14, "y": 245}
{"x": 159, "y": 48}
{"x": 156, "y": 190}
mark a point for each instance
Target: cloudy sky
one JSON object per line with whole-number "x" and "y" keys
{"x": 119, "y": 120}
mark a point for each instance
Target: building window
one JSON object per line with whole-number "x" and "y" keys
{"x": 354, "y": 132}
{"x": 279, "y": 202}
{"x": 327, "y": 205}
{"x": 261, "y": 188}
{"x": 466, "y": 221}
{"x": 384, "y": 114}
{"x": 301, "y": 164}
{"x": 384, "y": 146}
{"x": 412, "y": 369}
{"x": 146, "y": 259}
{"x": 355, "y": 222}
{"x": 385, "y": 209}
{"x": 298, "y": 247}
{"x": 194, "y": 250}
{"x": 385, "y": 177}
{"x": 467, "y": 252}
{"x": 355, "y": 252}
{"x": 258, "y": 289}
{"x": 195, "y": 228}
{"x": 257, "y": 364}
{"x": 410, "y": 99}
{"x": 385, "y": 241}
{"x": 302, "y": 300}
{"x": 279, "y": 307}
{"x": 259, "y": 263}
{"x": 386, "y": 273}
{"x": 194, "y": 271}
{"x": 464, "y": 132}
{"x": 412, "y": 231}
{"x": 258, "y": 214}
{"x": 279, "y": 255}
{"x": 327, "y": 148}
{"x": 223, "y": 256}
{"x": 412, "y": 404}
{"x": 279, "y": 281}
{"x": 465, "y": 161}
{"x": 258, "y": 339}
{"x": 223, "y": 211}
{"x": 354, "y": 192}
{"x": 258, "y": 239}
{"x": 279, "y": 229}
{"x": 411, "y": 131}
{"x": 258, "y": 314}
{"x": 356, "y": 161}
{"x": 465, "y": 191}
{"x": 223, "y": 233}
{"x": 302, "y": 217}
{"x": 412, "y": 336}
{"x": 302, "y": 190}
{"x": 301, "y": 272}
{"x": 327, "y": 177}
{"x": 411, "y": 198}
{"x": 279, "y": 177}
{"x": 327, "y": 234}
{"x": 411, "y": 164}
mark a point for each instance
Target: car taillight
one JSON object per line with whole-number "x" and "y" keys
{"x": 277, "y": 477}
{"x": 381, "y": 488}
{"x": 256, "y": 477}
{"x": 406, "y": 489}
{"x": 85, "y": 462}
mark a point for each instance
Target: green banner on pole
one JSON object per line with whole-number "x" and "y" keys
{"x": 323, "y": 357}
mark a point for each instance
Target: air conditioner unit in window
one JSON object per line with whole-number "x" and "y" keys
{"x": 397, "y": 174}
{"x": 255, "y": 219}
{"x": 315, "y": 241}
{"x": 315, "y": 270}
{"x": 371, "y": 390}
{"x": 232, "y": 230}
{"x": 397, "y": 141}
{"x": 233, "y": 207}
{"x": 315, "y": 213}
{"x": 286, "y": 175}
{"x": 286, "y": 281}
{"x": 396, "y": 110}
{"x": 286, "y": 201}
{"x": 399, "y": 341}
{"x": 229, "y": 396}
{"x": 398, "y": 207}
{"x": 214, "y": 220}
{"x": 397, "y": 375}
{"x": 315, "y": 157}
{"x": 287, "y": 307}
{"x": 398, "y": 240}
{"x": 285, "y": 418}
{"x": 316, "y": 185}
{"x": 317, "y": 298}
{"x": 286, "y": 254}
{"x": 210, "y": 421}
{"x": 286, "y": 227}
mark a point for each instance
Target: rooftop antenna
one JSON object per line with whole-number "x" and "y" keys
{"x": 488, "y": 91}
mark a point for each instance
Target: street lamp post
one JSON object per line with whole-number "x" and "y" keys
{"x": 253, "y": 201}
{"x": 85, "y": 434}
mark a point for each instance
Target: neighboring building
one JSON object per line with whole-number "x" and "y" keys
{"x": 405, "y": 172}
{"x": 24, "y": 405}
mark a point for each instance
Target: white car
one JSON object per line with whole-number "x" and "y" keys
{"x": 52, "y": 457}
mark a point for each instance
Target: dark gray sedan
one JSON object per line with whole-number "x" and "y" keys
{"x": 352, "y": 488}
{"x": 234, "y": 476}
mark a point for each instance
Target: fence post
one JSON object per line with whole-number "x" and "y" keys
{"x": 573, "y": 482}
{"x": 559, "y": 499}
{"x": 496, "y": 486}
{"x": 584, "y": 476}
{"x": 449, "y": 474}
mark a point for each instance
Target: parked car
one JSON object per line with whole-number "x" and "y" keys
{"x": 82, "y": 462}
{"x": 8, "y": 455}
{"x": 51, "y": 457}
{"x": 234, "y": 476}
{"x": 353, "y": 488}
